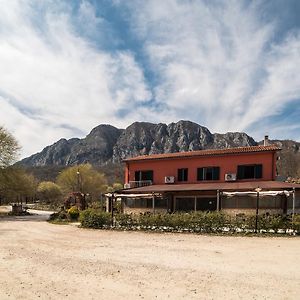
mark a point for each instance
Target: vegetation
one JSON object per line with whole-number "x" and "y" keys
{"x": 92, "y": 218}
{"x": 82, "y": 178}
{"x": 73, "y": 213}
{"x": 16, "y": 184}
{"x": 49, "y": 192}
{"x": 9, "y": 148}
{"x": 199, "y": 222}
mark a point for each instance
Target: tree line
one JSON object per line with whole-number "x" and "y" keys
{"x": 18, "y": 185}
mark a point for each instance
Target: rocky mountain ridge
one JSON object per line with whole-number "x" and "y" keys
{"x": 106, "y": 144}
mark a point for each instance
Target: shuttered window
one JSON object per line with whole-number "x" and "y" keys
{"x": 143, "y": 175}
{"x": 182, "y": 175}
{"x": 249, "y": 171}
{"x": 208, "y": 173}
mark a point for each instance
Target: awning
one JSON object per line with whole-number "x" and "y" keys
{"x": 212, "y": 186}
{"x": 254, "y": 194}
{"x": 130, "y": 195}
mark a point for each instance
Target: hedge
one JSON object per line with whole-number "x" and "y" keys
{"x": 92, "y": 218}
{"x": 202, "y": 222}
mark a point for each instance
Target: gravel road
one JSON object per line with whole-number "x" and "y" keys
{"x": 39, "y": 260}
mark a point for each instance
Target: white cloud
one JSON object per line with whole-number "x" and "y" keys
{"x": 214, "y": 62}
{"x": 52, "y": 78}
{"x": 218, "y": 62}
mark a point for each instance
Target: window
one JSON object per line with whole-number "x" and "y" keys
{"x": 143, "y": 175}
{"x": 208, "y": 173}
{"x": 249, "y": 172}
{"x": 182, "y": 175}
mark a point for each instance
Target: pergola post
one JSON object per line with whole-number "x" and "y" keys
{"x": 153, "y": 203}
{"x": 294, "y": 201}
{"x": 195, "y": 203}
{"x": 258, "y": 189}
{"x": 218, "y": 200}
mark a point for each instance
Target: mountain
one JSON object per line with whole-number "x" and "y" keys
{"x": 96, "y": 148}
{"x": 106, "y": 145}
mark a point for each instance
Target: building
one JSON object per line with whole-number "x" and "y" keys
{"x": 208, "y": 180}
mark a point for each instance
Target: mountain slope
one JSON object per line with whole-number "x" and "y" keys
{"x": 106, "y": 144}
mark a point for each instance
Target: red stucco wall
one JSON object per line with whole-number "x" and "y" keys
{"x": 228, "y": 164}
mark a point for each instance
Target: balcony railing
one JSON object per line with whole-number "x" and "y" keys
{"x": 135, "y": 184}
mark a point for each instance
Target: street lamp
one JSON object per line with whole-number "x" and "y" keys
{"x": 78, "y": 180}
{"x": 258, "y": 189}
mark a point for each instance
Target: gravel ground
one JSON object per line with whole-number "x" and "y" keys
{"x": 39, "y": 260}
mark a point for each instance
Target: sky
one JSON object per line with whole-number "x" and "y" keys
{"x": 68, "y": 66}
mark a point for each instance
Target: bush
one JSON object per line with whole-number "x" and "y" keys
{"x": 204, "y": 222}
{"x": 59, "y": 216}
{"x": 91, "y": 218}
{"x": 126, "y": 220}
{"x": 73, "y": 213}
{"x": 296, "y": 224}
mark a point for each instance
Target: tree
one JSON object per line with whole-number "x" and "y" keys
{"x": 115, "y": 187}
{"x": 16, "y": 184}
{"x": 82, "y": 178}
{"x": 49, "y": 192}
{"x": 9, "y": 148}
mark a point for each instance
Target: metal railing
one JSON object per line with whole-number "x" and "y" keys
{"x": 135, "y": 184}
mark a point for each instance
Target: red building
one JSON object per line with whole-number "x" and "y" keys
{"x": 208, "y": 180}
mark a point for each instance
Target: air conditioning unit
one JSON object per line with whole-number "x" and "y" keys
{"x": 169, "y": 179}
{"x": 230, "y": 177}
{"x": 127, "y": 186}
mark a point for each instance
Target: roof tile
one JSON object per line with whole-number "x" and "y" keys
{"x": 207, "y": 152}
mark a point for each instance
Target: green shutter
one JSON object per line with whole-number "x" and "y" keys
{"x": 186, "y": 174}
{"x": 200, "y": 174}
{"x": 216, "y": 173}
{"x": 258, "y": 171}
{"x": 240, "y": 172}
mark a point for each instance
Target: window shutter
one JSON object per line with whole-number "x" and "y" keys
{"x": 258, "y": 171}
{"x": 185, "y": 174}
{"x": 240, "y": 172}
{"x": 200, "y": 174}
{"x": 179, "y": 175}
{"x": 216, "y": 173}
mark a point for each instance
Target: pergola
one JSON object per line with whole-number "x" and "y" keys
{"x": 225, "y": 189}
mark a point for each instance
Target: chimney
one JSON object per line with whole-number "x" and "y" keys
{"x": 266, "y": 140}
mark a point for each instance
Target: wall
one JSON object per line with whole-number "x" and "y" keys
{"x": 227, "y": 163}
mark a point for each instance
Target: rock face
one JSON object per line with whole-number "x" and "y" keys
{"x": 96, "y": 148}
{"x": 107, "y": 144}
{"x": 147, "y": 138}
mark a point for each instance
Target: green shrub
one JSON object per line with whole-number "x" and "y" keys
{"x": 92, "y": 218}
{"x": 126, "y": 220}
{"x": 61, "y": 216}
{"x": 295, "y": 223}
{"x": 73, "y": 213}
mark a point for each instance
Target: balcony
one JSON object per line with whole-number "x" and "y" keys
{"x": 135, "y": 184}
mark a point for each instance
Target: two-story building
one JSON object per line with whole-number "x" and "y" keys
{"x": 227, "y": 179}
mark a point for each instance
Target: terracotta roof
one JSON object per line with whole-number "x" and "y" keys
{"x": 222, "y": 186}
{"x": 208, "y": 152}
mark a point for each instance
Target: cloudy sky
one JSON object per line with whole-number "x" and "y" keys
{"x": 68, "y": 66}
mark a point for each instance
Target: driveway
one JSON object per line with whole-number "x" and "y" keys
{"x": 36, "y": 215}
{"x": 39, "y": 260}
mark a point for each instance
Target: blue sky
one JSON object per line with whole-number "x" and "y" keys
{"x": 68, "y": 66}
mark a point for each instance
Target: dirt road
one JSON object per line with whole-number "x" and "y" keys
{"x": 44, "y": 261}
